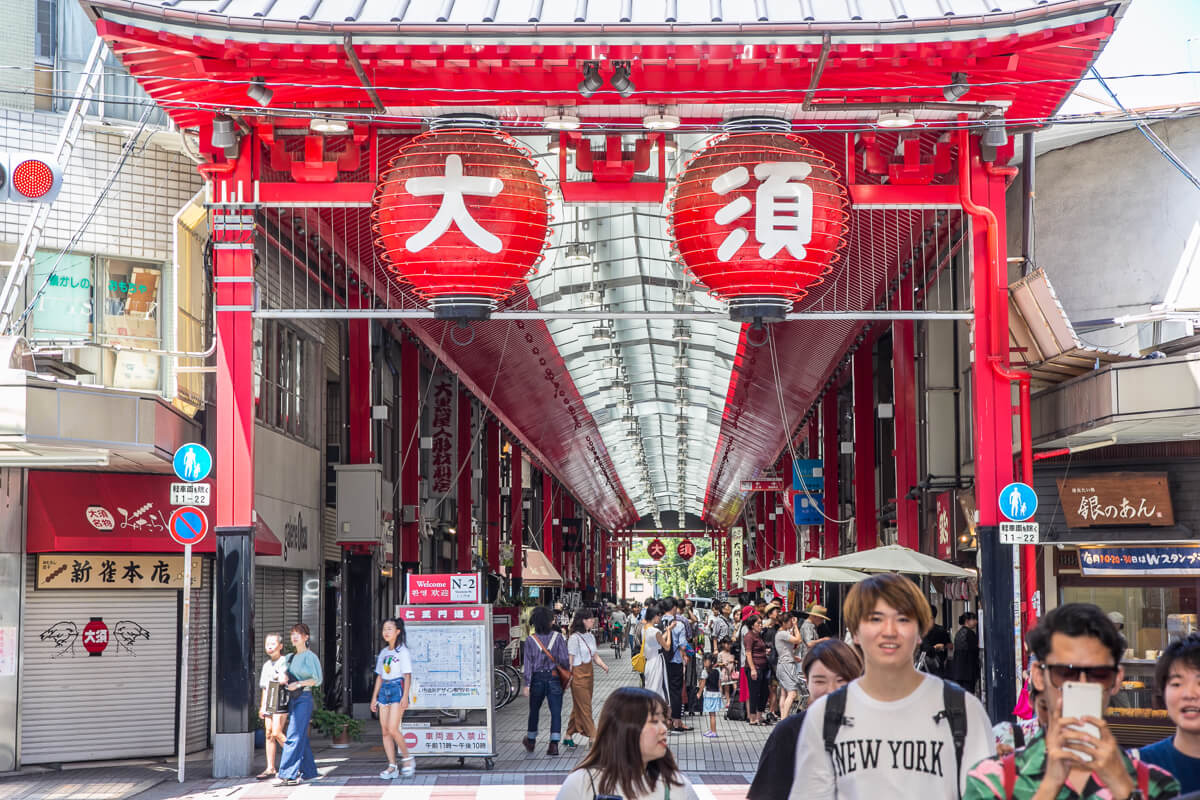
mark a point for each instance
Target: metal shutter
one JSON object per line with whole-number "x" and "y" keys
{"x": 119, "y": 705}
{"x": 276, "y": 607}
{"x": 200, "y": 662}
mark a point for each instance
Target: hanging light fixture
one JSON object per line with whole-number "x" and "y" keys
{"x": 995, "y": 134}
{"x": 662, "y": 121}
{"x": 681, "y": 332}
{"x": 620, "y": 79}
{"x": 592, "y": 81}
{"x": 577, "y": 254}
{"x": 258, "y": 91}
{"x": 602, "y": 333}
{"x": 561, "y": 121}
{"x": 896, "y": 119}
{"x": 957, "y": 88}
{"x": 331, "y": 125}
{"x": 224, "y": 132}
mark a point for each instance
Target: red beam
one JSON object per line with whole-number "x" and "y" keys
{"x": 904, "y": 379}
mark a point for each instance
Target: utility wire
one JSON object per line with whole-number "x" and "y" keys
{"x": 1150, "y": 135}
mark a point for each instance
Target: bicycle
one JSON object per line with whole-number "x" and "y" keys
{"x": 618, "y": 642}
{"x": 503, "y": 692}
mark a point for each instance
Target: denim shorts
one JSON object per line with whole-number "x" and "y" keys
{"x": 391, "y": 692}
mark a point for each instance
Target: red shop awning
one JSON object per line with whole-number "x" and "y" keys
{"x": 108, "y": 512}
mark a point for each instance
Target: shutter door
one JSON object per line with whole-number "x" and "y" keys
{"x": 268, "y": 611}
{"x": 121, "y": 704}
{"x": 200, "y": 662}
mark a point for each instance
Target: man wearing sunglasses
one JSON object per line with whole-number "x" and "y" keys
{"x": 1074, "y": 642}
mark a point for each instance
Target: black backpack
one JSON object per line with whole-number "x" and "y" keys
{"x": 954, "y": 710}
{"x": 772, "y": 652}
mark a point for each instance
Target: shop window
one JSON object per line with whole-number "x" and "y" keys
{"x": 129, "y": 294}
{"x": 280, "y": 365}
{"x": 64, "y": 308}
{"x": 635, "y": 587}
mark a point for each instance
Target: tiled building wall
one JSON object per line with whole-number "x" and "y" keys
{"x": 133, "y": 221}
{"x": 16, "y": 50}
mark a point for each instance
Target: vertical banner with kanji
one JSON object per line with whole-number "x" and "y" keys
{"x": 442, "y": 424}
{"x": 945, "y": 525}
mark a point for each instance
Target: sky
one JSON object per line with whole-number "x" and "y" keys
{"x": 1154, "y": 36}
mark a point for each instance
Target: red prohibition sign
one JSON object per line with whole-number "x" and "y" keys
{"x": 656, "y": 549}
{"x": 188, "y": 525}
{"x": 686, "y": 549}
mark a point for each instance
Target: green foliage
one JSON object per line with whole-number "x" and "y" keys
{"x": 331, "y": 723}
{"x": 676, "y": 577}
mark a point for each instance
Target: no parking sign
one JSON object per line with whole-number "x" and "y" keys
{"x": 188, "y": 525}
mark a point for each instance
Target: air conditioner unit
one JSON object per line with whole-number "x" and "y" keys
{"x": 359, "y": 503}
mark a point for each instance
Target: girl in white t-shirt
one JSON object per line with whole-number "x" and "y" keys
{"x": 393, "y": 681}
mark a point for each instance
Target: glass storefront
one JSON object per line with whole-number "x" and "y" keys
{"x": 1157, "y": 612}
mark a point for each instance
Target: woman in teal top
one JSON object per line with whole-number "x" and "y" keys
{"x": 304, "y": 672}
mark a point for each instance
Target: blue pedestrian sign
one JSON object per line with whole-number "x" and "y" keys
{"x": 1018, "y": 502}
{"x": 192, "y": 462}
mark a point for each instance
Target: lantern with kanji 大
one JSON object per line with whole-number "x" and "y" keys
{"x": 462, "y": 215}
{"x": 758, "y": 217}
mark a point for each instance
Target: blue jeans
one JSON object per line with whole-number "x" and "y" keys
{"x": 545, "y": 686}
{"x": 297, "y": 759}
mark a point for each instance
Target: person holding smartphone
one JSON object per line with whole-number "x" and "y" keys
{"x": 1076, "y": 670}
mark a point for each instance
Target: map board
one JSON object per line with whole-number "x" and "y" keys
{"x": 450, "y": 707}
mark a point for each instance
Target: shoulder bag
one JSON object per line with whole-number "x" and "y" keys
{"x": 564, "y": 675}
{"x": 638, "y": 661}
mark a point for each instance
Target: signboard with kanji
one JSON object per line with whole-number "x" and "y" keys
{"x": 113, "y": 571}
{"x": 443, "y": 588}
{"x": 656, "y": 549}
{"x": 763, "y": 485}
{"x": 1116, "y": 498}
{"x": 1135, "y": 561}
{"x": 686, "y": 549}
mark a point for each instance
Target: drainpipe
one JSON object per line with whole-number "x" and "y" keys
{"x": 999, "y": 338}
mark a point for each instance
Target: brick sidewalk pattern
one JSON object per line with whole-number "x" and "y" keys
{"x": 721, "y": 768}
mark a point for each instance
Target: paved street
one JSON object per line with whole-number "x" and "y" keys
{"x": 721, "y": 767}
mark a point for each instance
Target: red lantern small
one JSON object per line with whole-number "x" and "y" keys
{"x": 686, "y": 549}
{"x": 656, "y": 549}
{"x": 462, "y": 216}
{"x": 759, "y": 217}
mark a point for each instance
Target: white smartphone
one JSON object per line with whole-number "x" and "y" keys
{"x": 1083, "y": 700}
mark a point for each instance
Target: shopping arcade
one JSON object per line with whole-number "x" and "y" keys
{"x": 316, "y": 59}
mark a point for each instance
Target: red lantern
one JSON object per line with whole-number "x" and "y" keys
{"x": 656, "y": 549}
{"x": 463, "y": 216}
{"x": 686, "y": 549}
{"x": 95, "y": 636}
{"x": 758, "y": 217}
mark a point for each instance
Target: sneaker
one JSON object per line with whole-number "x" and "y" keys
{"x": 709, "y": 734}
{"x": 390, "y": 773}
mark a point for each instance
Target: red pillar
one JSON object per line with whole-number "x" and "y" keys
{"x": 832, "y": 458}
{"x": 410, "y": 448}
{"x": 516, "y": 530}
{"x": 491, "y": 470}
{"x": 548, "y": 516}
{"x": 358, "y": 410}
{"x": 904, "y": 380}
{"x": 556, "y": 529}
{"x": 865, "y": 503}
{"x": 463, "y": 494}
{"x": 233, "y": 265}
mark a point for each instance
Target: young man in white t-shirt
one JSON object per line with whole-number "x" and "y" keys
{"x": 895, "y": 739}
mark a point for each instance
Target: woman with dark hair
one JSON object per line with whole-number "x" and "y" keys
{"x": 581, "y": 647}
{"x": 964, "y": 669}
{"x": 393, "y": 680}
{"x": 756, "y": 663}
{"x": 544, "y": 650}
{"x": 304, "y": 672}
{"x": 827, "y": 667}
{"x": 630, "y": 757}
{"x": 654, "y": 642}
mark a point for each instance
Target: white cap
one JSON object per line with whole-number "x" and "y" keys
{"x": 1117, "y": 617}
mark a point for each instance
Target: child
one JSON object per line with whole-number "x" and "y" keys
{"x": 393, "y": 670}
{"x": 725, "y": 660}
{"x": 712, "y": 694}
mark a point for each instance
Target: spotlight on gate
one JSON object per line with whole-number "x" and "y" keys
{"x": 957, "y": 88}
{"x": 258, "y": 91}
{"x": 620, "y": 79}
{"x": 591, "y": 78}
{"x": 224, "y": 136}
{"x": 896, "y": 119}
{"x": 994, "y": 133}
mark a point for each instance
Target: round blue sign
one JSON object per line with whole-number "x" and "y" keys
{"x": 188, "y": 525}
{"x": 192, "y": 462}
{"x": 1018, "y": 502}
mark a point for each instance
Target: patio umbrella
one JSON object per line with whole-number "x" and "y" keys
{"x": 894, "y": 558}
{"x": 805, "y": 571}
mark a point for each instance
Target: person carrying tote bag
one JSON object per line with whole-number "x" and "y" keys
{"x": 582, "y": 648}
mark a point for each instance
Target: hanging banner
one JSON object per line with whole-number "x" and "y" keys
{"x": 945, "y": 525}
{"x": 113, "y": 571}
{"x": 737, "y": 556}
{"x": 1140, "y": 561}
{"x": 442, "y": 430}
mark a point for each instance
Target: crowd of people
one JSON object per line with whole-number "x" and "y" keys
{"x": 877, "y": 725}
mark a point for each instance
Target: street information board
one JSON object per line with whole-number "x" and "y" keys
{"x": 1019, "y": 533}
{"x": 450, "y": 700}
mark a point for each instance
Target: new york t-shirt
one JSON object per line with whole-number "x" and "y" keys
{"x": 888, "y": 749}
{"x": 393, "y": 664}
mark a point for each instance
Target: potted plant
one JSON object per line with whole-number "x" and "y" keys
{"x": 340, "y": 728}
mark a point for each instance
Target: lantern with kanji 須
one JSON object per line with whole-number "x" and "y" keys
{"x": 462, "y": 215}
{"x": 758, "y": 217}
